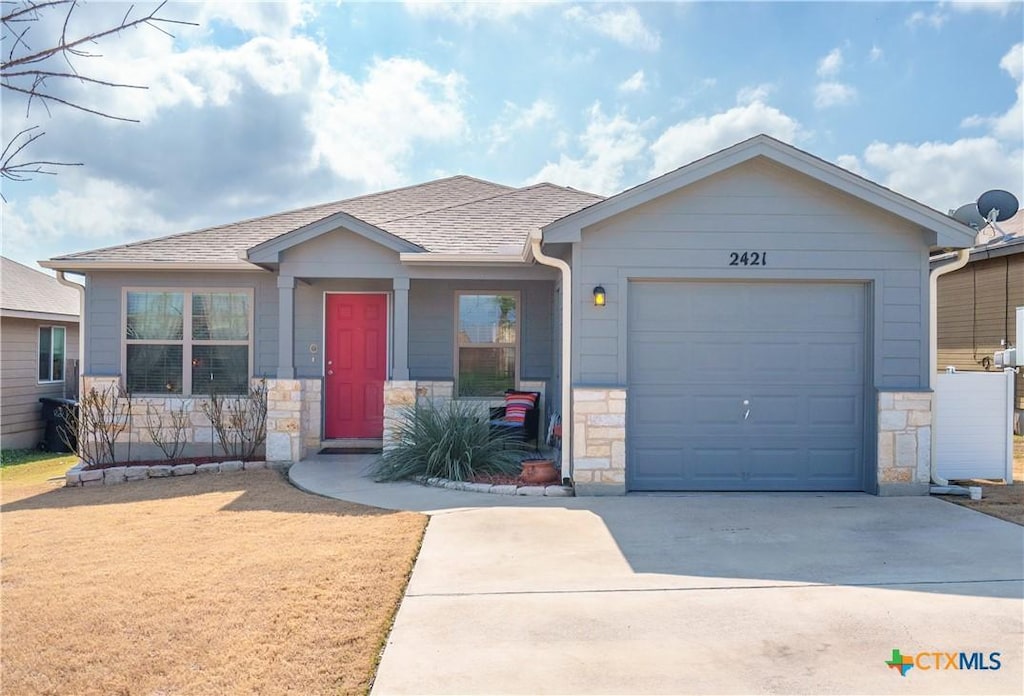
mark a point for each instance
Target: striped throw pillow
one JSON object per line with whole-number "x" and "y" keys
{"x": 516, "y": 406}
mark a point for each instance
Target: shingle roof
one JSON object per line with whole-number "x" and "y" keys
{"x": 492, "y": 225}
{"x": 456, "y": 214}
{"x": 23, "y": 289}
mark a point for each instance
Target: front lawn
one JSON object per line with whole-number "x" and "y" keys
{"x": 220, "y": 583}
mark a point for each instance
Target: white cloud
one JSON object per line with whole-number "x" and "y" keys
{"x": 611, "y": 144}
{"x": 876, "y": 54}
{"x": 831, "y": 64}
{"x": 1013, "y": 62}
{"x": 1010, "y": 125}
{"x": 275, "y": 19}
{"x": 226, "y": 133}
{"x": 830, "y": 91}
{"x": 470, "y": 13}
{"x": 689, "y": 140}
{"x": 754, "y": 93}
{"x": 515, "y": 119}
{"x": 634, "y": 83}
{"x": 945, "y": 175}
{"x": 850, "y": 162}
{"x": 999, "y": 7}
{"x": 363, "y": 131}
{"x": 933, "y": 19}
{"x": 828, "y": 94}
{"x": 622, "y": 24}
{"x": 88, "y": 208}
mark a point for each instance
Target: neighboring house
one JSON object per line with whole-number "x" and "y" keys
{"x": 765, "y": 324}
{"x": 977, "y": 304}
{"x": 38, "y": 349}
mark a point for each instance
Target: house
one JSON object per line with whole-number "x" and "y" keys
{"x": 763, "y": 323}
{"x": 38, "y": 350}
{"x": 977, "y": 304}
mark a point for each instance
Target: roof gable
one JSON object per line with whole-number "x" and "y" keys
{"x": 946, "y": 232}
{"x": 270, "y": 251}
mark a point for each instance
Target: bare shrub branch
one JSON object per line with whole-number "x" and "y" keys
{"x": 168, "y": 436}
{"x": 93, "y": 431}
{"x": 240, "y": 422}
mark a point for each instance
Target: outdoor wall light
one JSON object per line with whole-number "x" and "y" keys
{"x": 599, "y": 296}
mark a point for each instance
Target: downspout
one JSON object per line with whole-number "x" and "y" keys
{"x": 962, "y": 257}
{"x": 62, "y": 279}
{"x": 541, "y": 257}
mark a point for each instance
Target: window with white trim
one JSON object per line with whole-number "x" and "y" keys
{"x": 51, "y": 353}
{"x": 187, "y": 341}
{"x": 487, "y": 342}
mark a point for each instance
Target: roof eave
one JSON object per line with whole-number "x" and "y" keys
{"x": 41, "y": 316}
{"x": 449, "y": 259}
{"x": 84, "y": 266}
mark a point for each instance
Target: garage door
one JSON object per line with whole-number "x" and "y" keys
{"x": 746, "y": 386}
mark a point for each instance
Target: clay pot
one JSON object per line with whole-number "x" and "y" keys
{"x": 540, "y": 471}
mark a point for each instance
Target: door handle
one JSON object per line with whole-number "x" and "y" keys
{"x": 746, "y": 405}
{"x": 330, "y": 372}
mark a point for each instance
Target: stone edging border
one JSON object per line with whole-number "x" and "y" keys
{"x": 78, "y": 476}
{"x": 552, "y": 491}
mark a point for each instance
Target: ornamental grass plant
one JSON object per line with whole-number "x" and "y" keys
{"x": 454, "y": 441}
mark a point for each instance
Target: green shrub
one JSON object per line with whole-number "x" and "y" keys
{"x": 453, "y": 442}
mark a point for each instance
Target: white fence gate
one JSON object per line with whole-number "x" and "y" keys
{"x": 974, "y": 425}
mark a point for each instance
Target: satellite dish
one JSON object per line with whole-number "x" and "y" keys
{"x": 968, "y": 214}
{"x": 1003, "y": 203}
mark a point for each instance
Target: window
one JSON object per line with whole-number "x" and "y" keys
{"x": 51, "y": 353}
{"x": 487, "y": 343}
{"x": 187, "y": 341}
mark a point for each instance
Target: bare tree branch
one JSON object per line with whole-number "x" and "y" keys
{"x": 25, "y": 71}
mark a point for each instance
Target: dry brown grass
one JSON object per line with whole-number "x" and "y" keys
{"x": 231, "y": 583}
{"x": 997, "y": 499}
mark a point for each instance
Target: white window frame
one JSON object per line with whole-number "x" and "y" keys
{"x": 64, "y": 360}
{"x": 518, "y": 344}
{"x": 186, "y": 340}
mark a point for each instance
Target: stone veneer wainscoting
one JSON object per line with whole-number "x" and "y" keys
{"x": 293, "y": 420}
{"x": 904, "y": 442}
{"x": 599, "y": 440}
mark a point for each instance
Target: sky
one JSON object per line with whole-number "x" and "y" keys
{"x": 265, "y": 107}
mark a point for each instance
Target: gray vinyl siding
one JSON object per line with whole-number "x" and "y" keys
{"x": 103, "y": 313}
{"x": 809, "y": 231}
{"x": 341, "y": 254}
{"x": 432, "y": 326}
{"x": 21, "y": 425}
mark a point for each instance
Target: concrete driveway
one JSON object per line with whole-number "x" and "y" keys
{"x": 709, "y": 593}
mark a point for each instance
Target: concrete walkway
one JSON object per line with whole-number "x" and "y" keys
{"x": 708, "y": 593}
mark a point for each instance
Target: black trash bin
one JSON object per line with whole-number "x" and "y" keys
{"x": 59, "y": 415}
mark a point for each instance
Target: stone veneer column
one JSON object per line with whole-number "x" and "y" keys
{"x": 599, "y": 440}
{"x": 399, "y": 397}
{"x": 312, "y": 416}
{"x": 904, "y": 442}
{"x": 284, "y": 420}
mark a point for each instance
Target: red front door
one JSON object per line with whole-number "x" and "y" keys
{"x": 355, "y": 365}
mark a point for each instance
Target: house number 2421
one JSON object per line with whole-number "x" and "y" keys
{"x": 748, "y": 258}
